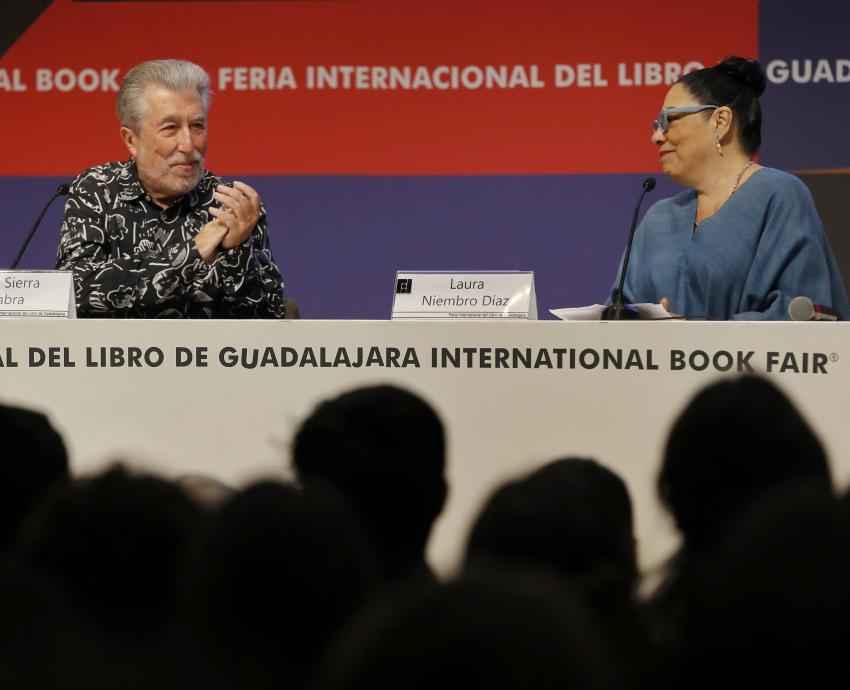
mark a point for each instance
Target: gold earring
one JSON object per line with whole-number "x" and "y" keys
{"x": 717, "y": 144}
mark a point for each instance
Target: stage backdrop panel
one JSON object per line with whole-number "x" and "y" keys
{"x": 805, "y": 52}
{"x": 373, "y": 87}
{"x": 425, "y": 134}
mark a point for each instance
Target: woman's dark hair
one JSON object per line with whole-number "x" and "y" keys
{"x": 735, "y": 82}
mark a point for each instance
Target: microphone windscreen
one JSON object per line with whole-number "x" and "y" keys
{"x": 801, "y": 309}
{"x": 64, "y": 189}
{"x": 649, "y": 184}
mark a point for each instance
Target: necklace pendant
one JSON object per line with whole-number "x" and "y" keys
{"x": 738, "y": 179}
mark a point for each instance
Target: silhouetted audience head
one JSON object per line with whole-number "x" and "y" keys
{"x": 278, "y": 572}
{"x": 772, "y": 608}
{"x": 737, "y": 440}
{"x": 505, "y": 632}
{"x": 117, "y": 544}
{"x": 383, "y": 449}
{"x": 32, "y": 460}
{"x": 573, "y": 515}
{"x": 129, "y": 581}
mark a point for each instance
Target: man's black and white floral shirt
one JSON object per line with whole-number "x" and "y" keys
{"x": 132, "y": 258}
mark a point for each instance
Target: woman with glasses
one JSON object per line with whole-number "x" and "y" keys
{"x": 743, "y": 240}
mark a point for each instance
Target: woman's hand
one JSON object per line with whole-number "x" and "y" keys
{"x": 664, "y": 302}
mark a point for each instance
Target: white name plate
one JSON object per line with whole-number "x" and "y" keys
{"x": 437, "y": 295}
{"x": 37, "y": 295}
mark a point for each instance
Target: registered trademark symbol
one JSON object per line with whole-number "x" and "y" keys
{"x": 833, "y": 357}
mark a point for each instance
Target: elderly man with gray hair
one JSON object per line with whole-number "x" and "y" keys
{"x": 158, "y": 235}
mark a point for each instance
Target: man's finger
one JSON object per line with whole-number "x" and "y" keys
{"x": 224, "y": 199}
{"x": 224, "y": 215}
{"x": 247, "y": 190}
{"x": 232, "y": 192}
{"x": 219, "y": 212}
{"x": 232, "y": 203}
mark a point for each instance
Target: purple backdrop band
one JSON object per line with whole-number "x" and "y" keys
{"x": 339, "y": 240}
{"x": 806, "y": 116}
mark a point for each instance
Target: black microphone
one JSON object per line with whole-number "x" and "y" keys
{"x": 62, "y": 190}
{"x": 617, "y": 310}
{"x": 803, "y": 309}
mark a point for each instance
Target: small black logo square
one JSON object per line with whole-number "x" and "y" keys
{"x": 403, "y": 286}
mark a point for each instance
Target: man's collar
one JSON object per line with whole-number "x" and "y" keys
{"x": 129, "y": 180}
{"x": 134, "y": 189}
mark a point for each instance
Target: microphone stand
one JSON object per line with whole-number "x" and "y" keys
{"x": 62, "y": 190}
{"x": 617, "y": 311}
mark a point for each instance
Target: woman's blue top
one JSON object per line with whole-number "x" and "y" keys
{"x": 761, "y": 249}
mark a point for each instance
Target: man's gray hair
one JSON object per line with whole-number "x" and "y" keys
{"x": 177, "y": 75}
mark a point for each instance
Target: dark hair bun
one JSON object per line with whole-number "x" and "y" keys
{"x": 746, "y": 71}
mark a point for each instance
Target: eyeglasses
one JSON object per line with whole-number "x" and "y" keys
{"x": 663, "y": 121}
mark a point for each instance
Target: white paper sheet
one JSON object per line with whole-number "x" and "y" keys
{"x": 647, "y": 311}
